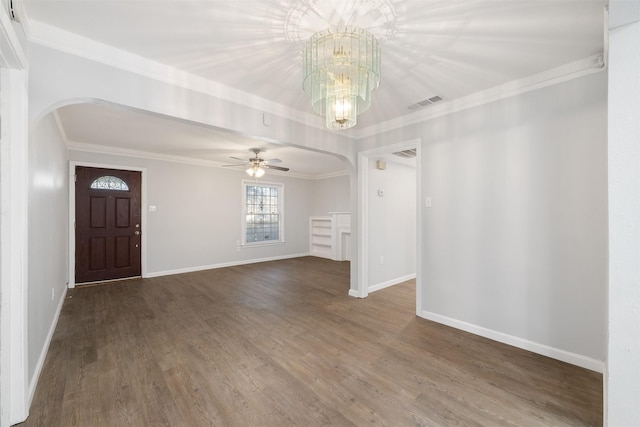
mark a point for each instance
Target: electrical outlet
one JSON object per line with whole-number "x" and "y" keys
{"x": 53, "y": 294}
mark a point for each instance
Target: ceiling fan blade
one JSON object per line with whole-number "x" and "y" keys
{"x": 238, "y": 158}
{"x": 233, "y": 166}
{"x": 278, "y": 168}
{"x": 272, "y": 161}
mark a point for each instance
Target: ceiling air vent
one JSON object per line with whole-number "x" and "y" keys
{"x": 407, "y": 154}
{"x": 426, "y": 102}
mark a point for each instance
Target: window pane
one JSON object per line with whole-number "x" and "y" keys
{"x": 109, "y": 183}
{"x": 262, "y": 219}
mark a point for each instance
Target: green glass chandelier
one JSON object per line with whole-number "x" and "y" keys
{"x": 341, "y": 69}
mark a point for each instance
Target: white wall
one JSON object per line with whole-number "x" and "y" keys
{"x": 197, "y": 221}
{"x": 332, "y": 195}
{"x": 48, "y": 237}
{"x": 391, "y": 224}
{"x": 622, "y": 381}
{"x": 515, "y": 245}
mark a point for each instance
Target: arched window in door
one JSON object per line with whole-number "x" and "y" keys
{"x": 108, "y": 182}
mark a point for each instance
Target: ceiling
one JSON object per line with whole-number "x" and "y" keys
{"x": 448, "y": 48}
{"x": 105, "y": 128}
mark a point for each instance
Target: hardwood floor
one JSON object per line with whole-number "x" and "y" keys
{"x": 281, "y": 343}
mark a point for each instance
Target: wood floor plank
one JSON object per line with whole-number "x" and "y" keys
{"x": 280, "y": 343}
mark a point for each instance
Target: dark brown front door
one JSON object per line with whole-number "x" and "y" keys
{"x": 107, "y": 224}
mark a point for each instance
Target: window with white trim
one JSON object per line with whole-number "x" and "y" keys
{"x": 262, "y": 219}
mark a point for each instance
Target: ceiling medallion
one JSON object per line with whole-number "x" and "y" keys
{"x": 306, "y": 17}
{"x": 341, "y": 69}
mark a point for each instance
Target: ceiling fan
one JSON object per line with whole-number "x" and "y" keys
{"x": 256, "y": 165}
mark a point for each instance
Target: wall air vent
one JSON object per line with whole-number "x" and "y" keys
{"x": 425, "y": 102}
{"x": 407, "y": 154}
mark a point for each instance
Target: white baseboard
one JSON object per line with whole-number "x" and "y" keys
{"x": 221, "y": 265}
{"x": 353, "y": 293}
{"x": 45, "y": 348}
{"x": 391, "y": 282}
{"x": 554, "y": 353}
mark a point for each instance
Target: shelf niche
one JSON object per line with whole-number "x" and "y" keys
{"x": 330, "y": 236}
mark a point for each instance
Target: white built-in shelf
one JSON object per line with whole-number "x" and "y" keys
{"x": 329, "y": 236}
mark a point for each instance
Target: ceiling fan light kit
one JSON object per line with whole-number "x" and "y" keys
{"x": 341, "y": 70}
{"x": 255, "y": 171}
{"x": 257, "y": 166}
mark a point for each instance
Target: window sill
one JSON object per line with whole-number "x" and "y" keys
{"x": 260, "y": 244}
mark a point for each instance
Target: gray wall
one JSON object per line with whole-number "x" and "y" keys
{"x": 196, "y": 225}
{"x": 197, "y": 221}
{"x": 48, "y": 236}
{"x": 332, "y": 195}
{"x": 516, "y": 240}
{"x": 391, "y": 224}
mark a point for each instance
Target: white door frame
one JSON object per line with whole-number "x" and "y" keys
{"x": 363, "y": 222}
{"x": 72, "y": 214}
{"x": 14, "y": 187}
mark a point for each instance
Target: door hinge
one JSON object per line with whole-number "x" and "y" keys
{"x": 75, "y": 177}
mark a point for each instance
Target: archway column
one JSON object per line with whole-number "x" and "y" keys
{"x": 14, "y": 377}
{"x": 622, "y": 376}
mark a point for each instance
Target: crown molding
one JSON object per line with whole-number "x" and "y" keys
{"x": 65, "y": 41}
{"x": 330, "y": 175}
{"x": 140, "y": 154}
{"x": 68, "y": 42}
{"x": 563, "y": 73}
